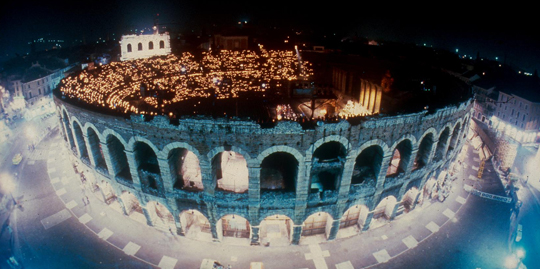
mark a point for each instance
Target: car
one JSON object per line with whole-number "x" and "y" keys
{"x": 16, "y": 159}
{"x": 519, "y": 233}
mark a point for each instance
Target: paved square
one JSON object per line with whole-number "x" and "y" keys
{"x": 471, "y": 177}
{"x": 52, "y": 170}
{"x": 31, "y": 162}
{"x": 476, "y": 159}
{"x": 65, "y": 180}
{"x": 71, "y": 204}
{"x": 55, "y": 180}
{"x": 85, "y": 218}
{"x": 61, "y": 191}
{"x": 475, "y": 168}
{"x": 344, "y": 265}
{"x": 55, "y": 219}
{"x": 105, "y": 234}
{"x": 131, "y": 248}
{"x": 234, "y": 258}
{"x": 167, "y": 262}
{"x": 382, "y": 256}
{"x": 384, "y": 237}
{"x": 461, "y": 200}
{"x": 410, "y": 241}
{"x": 449, "y": 213}
{"x": 433, "y": 227}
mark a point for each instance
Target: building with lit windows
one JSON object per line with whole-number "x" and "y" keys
{"x": 217, "y": 152}
{"x": 144, "y": 45}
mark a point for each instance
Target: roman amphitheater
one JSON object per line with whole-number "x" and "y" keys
{"x": 235, "y": 145}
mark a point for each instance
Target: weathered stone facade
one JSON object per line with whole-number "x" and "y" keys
{"x": 139, "y": 157}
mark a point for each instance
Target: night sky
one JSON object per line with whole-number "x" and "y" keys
{"x": 507, "y": 32}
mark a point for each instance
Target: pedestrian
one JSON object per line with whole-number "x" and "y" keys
{"x": 87, "y": 200}
{"x": 84, "y": 201}
{"x": 170, "y": 230}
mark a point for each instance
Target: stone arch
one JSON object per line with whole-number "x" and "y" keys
{"x": 150, "y": 45}
{"x": 282, "y": 148}
{"x": 425, "y": 147}
{"x": 129, "y": 49}
{"x": 195, "y": 224}
{"x": 236, "y": 161}
{"x": 184, "y": 169}
{"x": 79, "y": 138}
{"x": 212, "y": 153}
{"x": 164, "y": 153}
{"x": 147, "y": 164}
{"x": 401, "y": 155}
{"x": 133, "y": 140}
{"x": 383, "y": 210}
{"x": 317, "y": 223}
{"x": 161, "y": 44}
{"x": 368, "y": 162}
{"x": 139, "y": 46}
{"x": 233, "y": 225}
{"x": 108, "y": 132}
{"x": 318, "y": 143}
{"x": 279, "y": 171}
{"x": 276, "y": 230}
{"x": 67, "y": 127}
{"x": 409, "y": 198}
{"x": 116, "y": 147}
{"x": 442, "y": 144}
{"x": 456, "y": 132}
{"x": 352, "y": 221}
{"x": 160, "y": 215}
{"x": 327, "y": 164}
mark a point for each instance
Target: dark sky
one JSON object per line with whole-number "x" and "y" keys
{"x": 506, "y": 31}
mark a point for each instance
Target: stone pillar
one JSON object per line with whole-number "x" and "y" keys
{"x": 394, "y": 211}
{"x": 254, "y": 185}
{"x": 79, "y": 145}
{"x": 410, "y": 165}
{"x": 166, "y": 176}
{"x": 302, "y": 187}
{"x": 86, "y": 141}
{"x": 334, "y": 230}
{"x": 147, "y": 216}
{"x": 447, "y": 144}
{"x": 368, "y": 221}
{"x": 122, "y": 205}
{"x": 133, "y": 169}
{"x": 346, "y": 177}
{"x": 208, "y": 181}
{"x": 69, "y": 134}
{"x": 432, "y": 152}
{"x": 108, "y": 160}
{"x": 177, "y": 223}
{"x": 255, "y": 240}
{"x": 297, "y": 234}
{"x": 213, "y": 229}
{"x": 415, "y": 201}
{"x": 382, "y": 172}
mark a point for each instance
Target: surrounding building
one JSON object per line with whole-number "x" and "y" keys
{"x": 144, "y": 46}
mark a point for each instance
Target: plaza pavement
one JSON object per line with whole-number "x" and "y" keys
{"x": 162, "y": 249}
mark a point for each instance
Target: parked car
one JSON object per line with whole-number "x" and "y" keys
{"x": 519, "y": 233}
{"x": 16, "y": 159}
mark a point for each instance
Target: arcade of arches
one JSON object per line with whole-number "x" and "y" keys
{"x": 137, "y": 178}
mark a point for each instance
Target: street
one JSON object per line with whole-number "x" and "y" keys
{"x": 53, "y": 227}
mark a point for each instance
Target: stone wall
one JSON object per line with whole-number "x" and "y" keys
{"x": 207, "y": 138}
